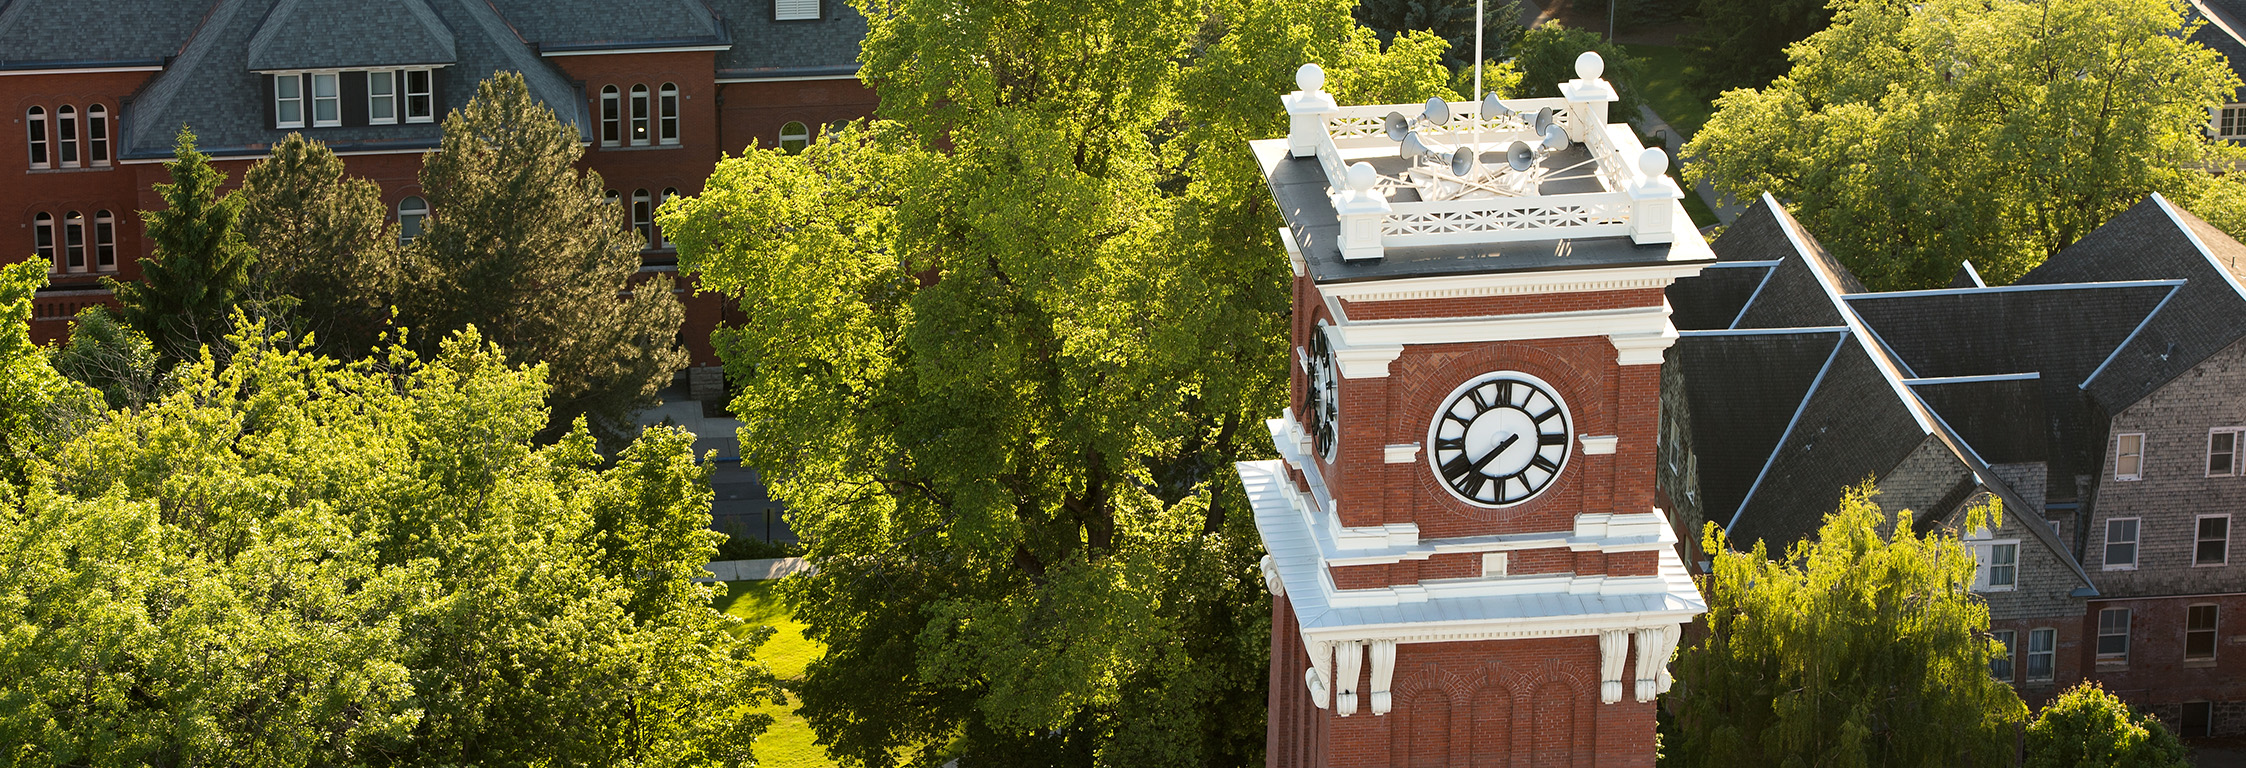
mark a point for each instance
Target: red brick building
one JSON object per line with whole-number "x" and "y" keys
{"x": 93, "y": 92}
{"x": 1468, "y": 562}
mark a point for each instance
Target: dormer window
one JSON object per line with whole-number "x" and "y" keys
{"x": 327, "y": 100}
{"x": 288, "y": 101}
{"x": 420, "y": 103}
{"x": 382, "y": 98}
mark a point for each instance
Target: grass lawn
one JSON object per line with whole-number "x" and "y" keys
{"x": 1662, "y": 72}
{"x": 789, "y": 743}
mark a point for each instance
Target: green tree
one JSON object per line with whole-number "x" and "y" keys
{"x": 327, "y": 260}
{"x": 200, "y": 270}
{"x": 1862, "y": 647}
{"x": 1001, "y": 348}
{"x": 293, "y": 561}
{"x": 528, "y": 249}
{"x": 1914, "y": 136}
{"x": 39, "y": 408}
{"x": 1546, "y": 58}
{"x": 1742, "y": 43}
{"x": 105, "y": 354}
{"x": 2087, "y": 727}
{"x": 1451, "y": 20}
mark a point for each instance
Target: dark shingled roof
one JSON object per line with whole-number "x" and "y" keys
{"x": 767, "y": 48}
{"x": 1852, "y": 428}
{"x": 208, "y": 89}
{"x": 567, "y": 26}
{"x": 53, "y": 34}
{"x": 2213, "y": 36}
{"x": 1742, "y": 390}
{"x": 2002, "y": 420}
{"x": 1713, "y": 299}
{"x": 333, "y": 34}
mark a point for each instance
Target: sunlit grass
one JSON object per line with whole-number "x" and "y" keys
{"x": 790, "y": 742}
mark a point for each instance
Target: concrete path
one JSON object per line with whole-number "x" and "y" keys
{"x": 1651, "y": 124}
{"x": 756, "y": 570}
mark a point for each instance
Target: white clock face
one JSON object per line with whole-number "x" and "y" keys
{"x": 1324, "y": 396}
{"x": 1500, "y": 439}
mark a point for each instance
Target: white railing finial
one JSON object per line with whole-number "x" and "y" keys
{"x": 1307, "y": 110}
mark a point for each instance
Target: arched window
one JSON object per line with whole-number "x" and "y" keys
{"x": 641, "y": 218}
{"x": 66, "y": 130}
{"x": 668, "y": 106}
{"x": 668, "y": 193}
{"x": 105, "y": 241}
{"x": 611, "y": 116}
{"x": 97, "y": 134}
{"x": 639, "y": 115}
{"x": 43, "y": 240}
{"x": 74, "y": 241}
{"x": 35, "y": 125}
{"x": 410, "y": 213}
{"x": 794, "y": 137}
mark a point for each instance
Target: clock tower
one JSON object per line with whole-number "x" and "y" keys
{"x": 1467, "y": 561}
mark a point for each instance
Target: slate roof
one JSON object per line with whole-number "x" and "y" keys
{"x": 1713, "y": 300}
{"x": 55, "y": 34}
{"x": 1747, "y": 415}
{"x": 767, "y": 48}
{"x": 318, "y": 34}
{"x": 2221, "y": 33}
{"x": 208, "y": 89}
{"x": 576, "y": 26}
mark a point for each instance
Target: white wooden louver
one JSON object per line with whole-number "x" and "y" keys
{"x": 795, "y": 10}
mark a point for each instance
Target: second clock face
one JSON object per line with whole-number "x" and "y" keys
{"x": 1500, "y": 439}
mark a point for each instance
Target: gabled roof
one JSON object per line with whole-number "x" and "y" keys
{"x": 1745, "y": 387}
{"x": 55, "y": 34}
{"x": 332, "y": 34}
{"x": 765, "y": 48}
{"x": 2222, "y": 30}
{"x": 579, "y": 26}
{"x": 209, "y": 90}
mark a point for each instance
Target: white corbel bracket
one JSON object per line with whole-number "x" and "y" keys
{"x": 1614, "y": 650}
{"x": 1349, "y": 659}
{"x": 1271, "y": 577}
{"x": 1384, "y": 671}
{"x": 1655, "y": 644}
{"x": 1320, "y": 671}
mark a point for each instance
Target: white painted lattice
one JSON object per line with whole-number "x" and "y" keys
{"x": 1469, "y": 221}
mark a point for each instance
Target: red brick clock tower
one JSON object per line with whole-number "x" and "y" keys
{"x": 1466, "y": 560}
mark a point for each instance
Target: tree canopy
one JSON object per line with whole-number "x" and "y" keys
{"x": 2087, "y": 727}
{"x": 527, "y": 248}
{"x": 1864, "y": 646}
{"x": 1924, "y": 134}
{"x": 1451, "y": 20}
{"x": 327, "y": 258}
{"x": 1742, "y": 43}
{"x": 289, "y": 561}
{"x": 1000, "y": 348}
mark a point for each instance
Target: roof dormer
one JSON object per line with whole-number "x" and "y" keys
{"x": 307, "y": 35}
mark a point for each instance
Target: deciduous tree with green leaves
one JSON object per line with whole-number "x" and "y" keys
{"x": 327, "y": 259}
{"x": 199, "y": 273}
{"x": 1742, "y": 43}
{"x": 1913, "y": 136}
{"x": 1546, "y": 58}
{"x": 527, "y": 248}
{"x": 1864, "y": 646}
{"x": 2087, "y": 727}
{"x": 294, "y": 561}
{"x": 105, "y": 354}
{"x": 1001, "y": 347}
{"x": 1452, "y": 20}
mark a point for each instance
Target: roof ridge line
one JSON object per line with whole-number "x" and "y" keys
{"x": 2027, "y": 376}
{"x": 1795, "y": 420}
{"x": 2204, "y": 252}
{"x": 2016, "y": 288}
{"x": 2005, "y": 493}
{"x": 1765, "y": 331}
{"x": 2132, "y": 337}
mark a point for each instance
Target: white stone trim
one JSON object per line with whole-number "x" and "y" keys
{"x": 1509, "y": 283}
{"x": 1629, "y": 321}
{"x": 622, "y": 51}
{"x": 1614, "y": 649}
{"x": 1349, "y": 659}
{"x": 1598, "y": 446}
{"x": 1384, "y": 673}
{"x": 1271, "y": 577}
{"x": 1402, "y": 453}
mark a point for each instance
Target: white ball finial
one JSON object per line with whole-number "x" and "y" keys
{"x": 1653, "y": 162}
{"x": 1589, "y": 66}
{"x": 1310, "y": 77}
{"x": 1361, "y": 176}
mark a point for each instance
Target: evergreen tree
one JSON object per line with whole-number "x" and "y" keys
{"x": 1002, "y": 347}
{"x": 525, "y": 247}
{"x": 200, "y": 271}
{"x": 1864, "y": 646}
{"x": 2086, "y": 727}
{"x": 327, "y": 259}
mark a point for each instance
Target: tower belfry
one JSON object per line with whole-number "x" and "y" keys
{"x": 1467, "y": 561}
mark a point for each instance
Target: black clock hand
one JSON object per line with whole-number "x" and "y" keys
{"x": 1485, "y": 460}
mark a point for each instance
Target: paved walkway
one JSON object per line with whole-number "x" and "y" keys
{"x": 756, "y": 570}
{"x": 1651, "y": 124}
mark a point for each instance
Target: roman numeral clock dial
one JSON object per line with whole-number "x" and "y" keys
{"x": 1500, "y": 439}
{"x": 1324, "y": 395}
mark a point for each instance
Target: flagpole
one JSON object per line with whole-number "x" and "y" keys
{"x": 1477, "y": 51}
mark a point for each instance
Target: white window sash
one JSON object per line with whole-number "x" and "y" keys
{"x": 382, "y": 99}
{"x": 288, "y": 93}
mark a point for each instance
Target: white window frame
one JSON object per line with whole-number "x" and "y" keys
{"x": 427, "y": 94}
{"x": 2126, "y": 617}
{"x": 2230, "y": 456}
{"x": 66, "y": 137}
{"x": 420, "y": 213}
{"x": 97, "y": 135}
{"x": 2229, "y": 122}
{"x": 2012, "y": 671}
{"x": 2136, "y": 539}
{"x": 2214, "y": 633}
{"x": 641, "y": 131}
{"x": 282, "y": 100}
{"x": 388, "y": 96}
{"x": 611, "y": 116}
{"x": 2122, "y": 453}
{"x": 802, "y": 134}
{"x": 105, "y": 241}
{"x": 1984, "y": 566}
{"x": 643, "y": 218}
{"x": 43, "y": 240}
{"x": 39, "y": 140}
{"x": 666, "y": 114}
{"x": 796, "y": 10}
{"x": 2196, "y": 540}
{"x": 2050, "y": 653}
{"x": 332, "y": 103}
{"x": 74, "y": 242}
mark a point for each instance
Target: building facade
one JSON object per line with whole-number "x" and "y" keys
{"x": 1467, "y": 560}
{"x": 657, "y": 95}
{"x": 2101, "y": 398}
